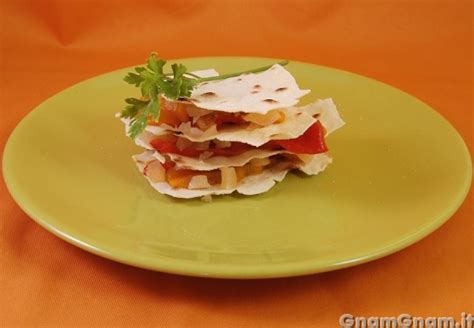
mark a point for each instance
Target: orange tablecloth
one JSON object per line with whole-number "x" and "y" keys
{"x": 422, "y": 47}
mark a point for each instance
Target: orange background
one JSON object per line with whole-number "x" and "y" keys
{"x": 422, "y": 47}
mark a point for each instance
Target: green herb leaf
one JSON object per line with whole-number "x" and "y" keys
{"x": 138, "y": 124}
{"x": 133, "y": 78}
{"x": 153, "y": 109}
{"x": 135, "y": 101}
{"x": 187, "y": 87}
{"x": 154, "y": 83}
{"x": 133, "y": 108}
{"x": 154, "y": 64}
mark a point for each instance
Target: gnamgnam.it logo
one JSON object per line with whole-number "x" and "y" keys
{"x": 405, "y": 320}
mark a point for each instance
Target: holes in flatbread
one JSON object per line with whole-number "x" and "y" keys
{"x": 281, "y": 89}
{"x": 257, "y": 86}
{"x": 255, "y": 91}
{"x": 208, "y": 94}
{"x": 270, "y": 101}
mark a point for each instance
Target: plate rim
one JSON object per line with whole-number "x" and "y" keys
{"x": 233, "y": 271}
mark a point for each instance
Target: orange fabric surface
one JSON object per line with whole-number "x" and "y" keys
{"x": 422, "y": 47}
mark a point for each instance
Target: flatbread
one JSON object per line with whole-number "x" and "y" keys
{"x": 144, "y": 140}
{"x": 328, "y": 116}
{"x": 216, "y": 162}
{"x": 251, "y": 185}
{"x": 297, "y": 121}
{"x": 294, "y": 125}
{"x": 143, "y": 158}
{"x": 314, "y": 164}
{"x": 250, "y": 93}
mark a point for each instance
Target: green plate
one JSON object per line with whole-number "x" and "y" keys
{"x": 399, "y": 172}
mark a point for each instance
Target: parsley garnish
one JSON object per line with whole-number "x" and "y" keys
{"x": 153, "y": 82}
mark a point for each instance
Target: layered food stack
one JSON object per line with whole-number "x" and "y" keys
{"x": 242, "y": 133}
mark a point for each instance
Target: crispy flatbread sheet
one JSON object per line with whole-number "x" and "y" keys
{"x": 148, "y": 156}
{"x": 297, "y": 121}
{"x": 295, "y": 124}
{"x": 143, "y": 158}
{"x": 250, "y": 93}
{"x": 312, "y": 164}
{"x": 216, "y": 162}
{"x": 328, "y": 116}
{"x": 144, "y": 140}
{"x": 251, "y": 185}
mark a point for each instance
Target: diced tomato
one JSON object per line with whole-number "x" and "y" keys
{"x": 168, "y": 164}
{"x": 190, "y": 152}
{"x": 167, "y": 144}
{"x": 227, "y": 118}
{"x": 253, "y": 170}
{"x": 213, "y": 177}
{"x": 173, "y": 113}
{"x": 205, "y": 122}
{"x": 246, "y": 170}
{"x": 167, "y": 114}
{"x": 311, "y": 142}
{"x": 235, "y": 149}
{"x": 240, "y": 172}
{"x": 179, "y": 178}
{"x": 168, "y": 117}
{"x": 182, "y": 113}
